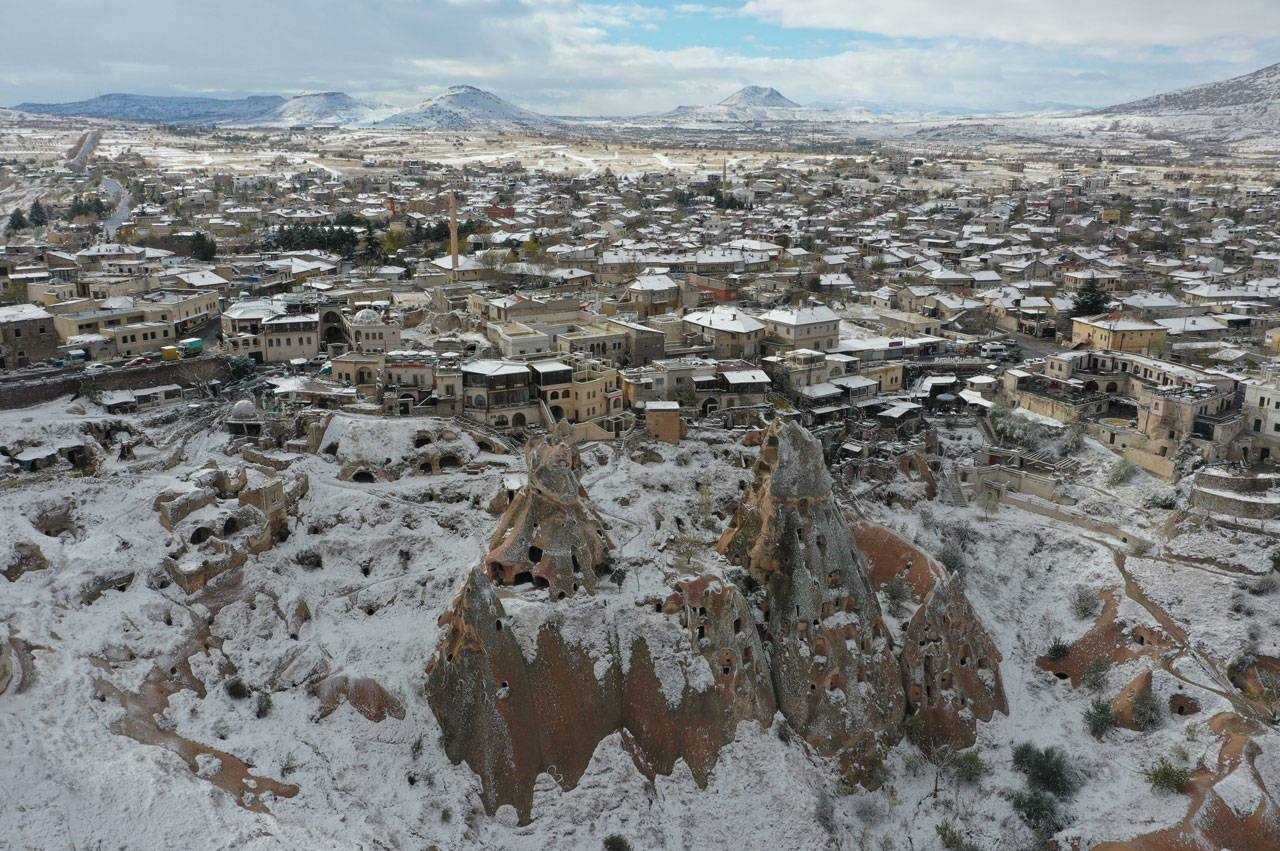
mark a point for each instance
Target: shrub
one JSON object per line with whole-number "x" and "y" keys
{"x": 1099, "y": 718}
{"x": 1121, "y": 472}
{"x": 1073, "y": 439}
{"x": 1147, "y": 712}
{"x": 746, "y": 583}
{"x": 1038, "y": 809}
{"x": 897, "y": 594}
{"x": 952, "y": 557}
{"x": 1058, "y": 649}
{"x": 1049, "y": 769}
{"x": 241, "y": 366}
{"x": 1085, "y": 603}
{"x": 1165, "y": 497}
{"x": 309, "y": 560}
{"x": 1164, "y": 776}
{"x": 262, "y": 706}
{"x": 237, "y": 689}
{"x": 1095, "y": 675}
{"x": 616, "y": 842}
{"x": 968, "y": 766}
{"x": 952, "y": 839}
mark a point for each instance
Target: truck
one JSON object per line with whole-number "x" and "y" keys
{"x": 191, "y": 347}
{"x": 170, "y": 353}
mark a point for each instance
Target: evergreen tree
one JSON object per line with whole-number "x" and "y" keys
{"x": 17, "y": 221}
{"x": 37, "y": 216}
{"x": 1091, "y": 299}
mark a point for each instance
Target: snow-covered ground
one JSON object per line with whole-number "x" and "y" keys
{"x": 392, "y": 554}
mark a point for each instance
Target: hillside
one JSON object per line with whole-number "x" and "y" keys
{"x": 168, "y": 110}
{"x": 1259, "y": 88}
{"x": 469, "y": 108}
{"x": 322, "y": 109}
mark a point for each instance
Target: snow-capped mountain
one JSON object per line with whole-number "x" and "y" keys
{"x": 751, "y": 104}
{"x": 1259, "y": 88}
{"x": 1244, "y": 107}
{"x": 324, "y": 109}
{"x": 469, "y": 108}
{"x": 756, "y": 97}
{"x": 169, "y": 110}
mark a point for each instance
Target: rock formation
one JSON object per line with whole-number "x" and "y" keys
{"x": 951, "y": 668}
{"x": 525, "y": 683}
{"x": 549, "y": 535}
{"x": 834, "y": 672}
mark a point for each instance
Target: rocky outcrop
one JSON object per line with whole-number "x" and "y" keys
{"x": 525, "y": 683}
{"x": 517, "y": 696}
{"x": 550, "y": 536}
{"x": 951, "y": 668}
{"x": 366, "y": 696}
{"x": 834, "y": 672}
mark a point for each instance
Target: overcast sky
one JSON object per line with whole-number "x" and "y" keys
{"x": 570, "y": 57}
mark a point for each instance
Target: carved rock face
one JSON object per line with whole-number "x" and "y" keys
{"x": 512, "y": 714}
{"x": 834, "y": 672}
{"x": 550, "y": 536}
{"x": 952, "y": 669}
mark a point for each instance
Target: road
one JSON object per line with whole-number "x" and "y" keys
{"x": 121, "y": 213}
{"x": 86, "y": 150}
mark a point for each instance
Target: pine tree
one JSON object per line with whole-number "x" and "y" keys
{"x": 17, "y": 221}
{"x": 1091, "y": 299}
{"x": 37, "y": 216}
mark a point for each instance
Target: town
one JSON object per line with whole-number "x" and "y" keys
{"x": 429, "y": 479}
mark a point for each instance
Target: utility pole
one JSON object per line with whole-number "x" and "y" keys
{"x": 453, "y": 237}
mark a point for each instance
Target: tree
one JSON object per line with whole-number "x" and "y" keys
{"x": 17, "y": 221}
{"x": 1091, "y": 299}
{"x": 38, "y": 217}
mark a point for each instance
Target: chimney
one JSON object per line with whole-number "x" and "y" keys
{"x": 453, "y": 237}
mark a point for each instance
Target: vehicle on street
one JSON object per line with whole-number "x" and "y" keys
{"x": 143, "y": 361}
{"x": 97, "y": 366}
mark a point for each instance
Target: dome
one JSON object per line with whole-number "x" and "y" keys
{"x": 368, "y": 316}
{"x": 244, "y": 410}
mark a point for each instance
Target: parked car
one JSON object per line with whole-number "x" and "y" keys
{"x": 97, "y": 366}
{"x": 143, "y": 361}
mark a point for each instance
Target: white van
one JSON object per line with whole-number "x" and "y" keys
{"x": 994, "y": 350}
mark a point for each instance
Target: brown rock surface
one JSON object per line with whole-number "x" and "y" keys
{"x": 366, "y": 696}
{"x": 835, "y": 675}
{"x": 550, "y": 536}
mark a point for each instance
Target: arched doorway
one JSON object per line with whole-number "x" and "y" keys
{"x": 557, "y": 412}
{"x": 517, "y": 420}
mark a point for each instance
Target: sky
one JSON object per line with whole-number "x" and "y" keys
{"x": 577, "y": 58}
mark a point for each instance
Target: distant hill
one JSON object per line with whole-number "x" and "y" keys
{"x": 752, "y": 97}
{"x": 323, "y": 109}
{"x": 1259, "y": 88}
{"x": 167, "y": 110}
{"x": 469, "y": 108}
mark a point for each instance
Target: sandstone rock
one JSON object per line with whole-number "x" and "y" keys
{"x": 366, "y": 696}
{"x": 951, "y": 668}
{"x": 26, "y": 557}
{"x": 835, "y": 676}
{"x": 512, "y": 716}
{"x": 550, "y": 536}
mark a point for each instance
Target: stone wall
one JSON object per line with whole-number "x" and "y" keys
{"x": 186, "y": 373}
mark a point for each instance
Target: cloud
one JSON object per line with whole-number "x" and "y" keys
{"x": 567, "y": 57}
{"x": 1130, "y": 23}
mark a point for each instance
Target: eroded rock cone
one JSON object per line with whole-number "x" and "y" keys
{"x": 951, "y": 668}
{"x": 835, "y": 676}
{"x": 535, "y": 689}
{"x": 550, "y": 536}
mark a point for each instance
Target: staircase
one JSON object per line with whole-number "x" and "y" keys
{"x": 950, "y": 490}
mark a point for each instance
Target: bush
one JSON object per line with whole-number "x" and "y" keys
{"x": 953, "y": 558}
{"x": 309, "y": 560}
{"x": 1147, "y": 712}
{"x": 1165, "y": 497}
{"x": 616, "y": 842}
{"x": 968, "y": 766}
{"x": 262, "y": 706}
{"x": 896, "y": 594}
{"x": 1099, "y": 718}
{"x": 237, "y": 689}
{"x": 1121, "y": 472}
{"x": 241, "y": 366}
{"x": 746, "y": 583}
{"x": 1095, "y": 675}
{"x": 1049, "y": 769}
{"x": 1038, "y": 809}
{"x": 1085, "y": 603}
{"x": 1164, "y": 776}
{"x": 1073, "y": 440}
{"x": 1058, "y": 649}
{"x": 952, "y": 839}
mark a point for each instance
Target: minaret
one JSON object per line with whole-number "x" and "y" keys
{"x": 453, "y": 237}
